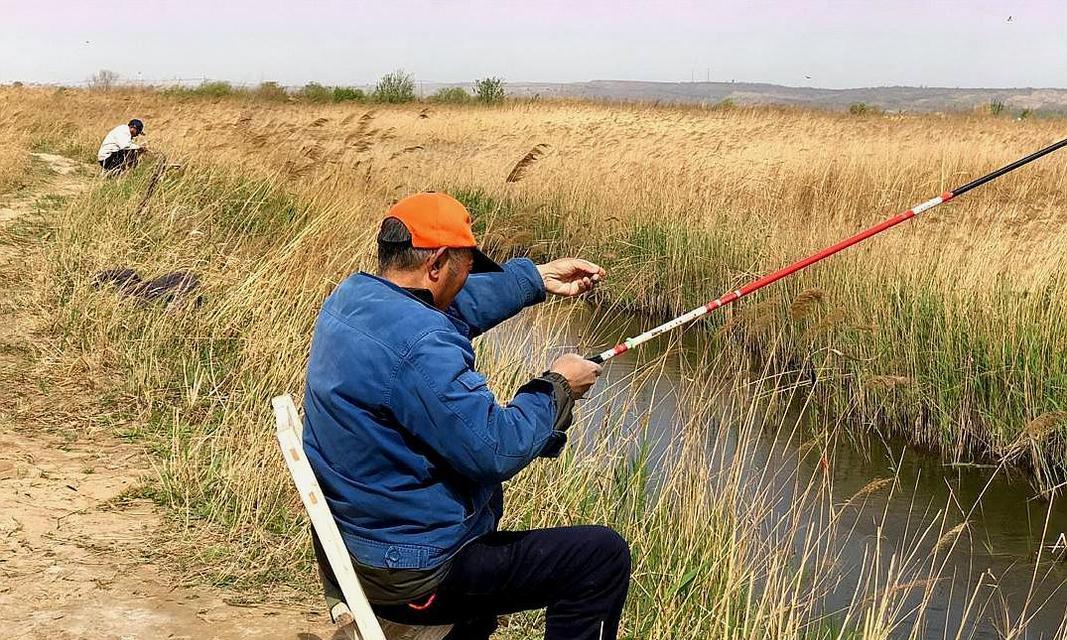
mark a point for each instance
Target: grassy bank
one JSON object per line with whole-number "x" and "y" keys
{"x": 200, "y": 377}
{"x": 276, "y": 204}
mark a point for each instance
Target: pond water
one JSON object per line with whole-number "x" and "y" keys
{"x": 1004, "y": 567}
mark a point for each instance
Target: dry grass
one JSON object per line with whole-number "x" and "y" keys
{"x": 13, "y": 165}
{"x": 14, "y": 161}
{"x": 278, "y": 203}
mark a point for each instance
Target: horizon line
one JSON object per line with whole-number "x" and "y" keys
{"x": 128, "y": 81}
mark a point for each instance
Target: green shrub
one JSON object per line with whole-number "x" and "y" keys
{"x": 453, "y": 95}
{"x": 176, "y": 91}
{"x": 395, "y": 87}
{"x": 489, "y": 90}
{"x": 863, "y": 109}
{"x": 270, "y": 91}
{"x": 213, "y": 89}
{"x": 996, "y": 106}
{"x": 315, "y": 92}
{"x": 348, "y": 94}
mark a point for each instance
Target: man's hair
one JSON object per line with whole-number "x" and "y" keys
{"x": 395, "y": 252}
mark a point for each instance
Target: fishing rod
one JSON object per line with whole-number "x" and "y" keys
{"x": 756, "y": 285}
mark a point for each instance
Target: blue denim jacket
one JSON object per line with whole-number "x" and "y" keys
{"x": 406, "y": 440}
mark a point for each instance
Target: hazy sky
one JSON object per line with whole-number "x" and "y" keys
{"x": 838, "y": 43}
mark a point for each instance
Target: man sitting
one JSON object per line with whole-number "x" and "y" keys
{"x": 118, "y": 152}
{"x": 410, "y": 447}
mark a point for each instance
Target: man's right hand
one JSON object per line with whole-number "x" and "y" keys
{"x": 580, "y": 373}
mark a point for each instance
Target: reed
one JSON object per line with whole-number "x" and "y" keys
{"x": 525, "y": 162}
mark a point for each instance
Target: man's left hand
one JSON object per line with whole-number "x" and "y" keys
{"x": 570, "y": 276}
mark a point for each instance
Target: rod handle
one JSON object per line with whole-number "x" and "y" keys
{"x": 595, "y": 359}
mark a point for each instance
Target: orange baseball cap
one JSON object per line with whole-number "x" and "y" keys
{"x": 437, "y": 220}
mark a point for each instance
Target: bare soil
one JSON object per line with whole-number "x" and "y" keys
{"x": 76, "y": 550}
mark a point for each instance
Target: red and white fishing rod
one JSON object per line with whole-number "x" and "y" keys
{"x": 771, "y": 278}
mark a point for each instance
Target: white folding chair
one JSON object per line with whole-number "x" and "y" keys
{"x": 365, "y": 625}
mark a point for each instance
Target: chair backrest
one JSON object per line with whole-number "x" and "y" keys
{"x": 290, "y": 439}
{"x": 367, "y": 626}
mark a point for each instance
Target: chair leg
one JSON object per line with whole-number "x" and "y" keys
{"x": 343, "y": 618}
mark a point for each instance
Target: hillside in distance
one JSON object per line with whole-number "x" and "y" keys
{"x": 749, "y": 93}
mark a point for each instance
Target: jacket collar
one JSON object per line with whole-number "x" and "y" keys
{"x": 423, "y": 297}
{"x": 422, "y": 294}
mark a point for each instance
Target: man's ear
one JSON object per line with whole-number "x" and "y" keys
{"x": 438, "y": 261}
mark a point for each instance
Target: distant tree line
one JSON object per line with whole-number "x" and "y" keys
{"x": 396, "y": 87}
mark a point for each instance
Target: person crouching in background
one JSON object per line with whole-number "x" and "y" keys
{"x": 118, "y": 152}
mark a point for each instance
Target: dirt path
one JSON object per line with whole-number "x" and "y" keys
{"x": 74, "y": 553}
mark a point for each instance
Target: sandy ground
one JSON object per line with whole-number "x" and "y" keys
{"x": 74, "y": 553}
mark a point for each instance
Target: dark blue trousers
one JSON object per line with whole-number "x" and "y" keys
{"x": 579, "y": 575}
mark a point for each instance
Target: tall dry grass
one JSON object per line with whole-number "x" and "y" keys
{"x": 276, "y": 204}
{"x": 13, "y": 165}
{"x": 14, "y": 160}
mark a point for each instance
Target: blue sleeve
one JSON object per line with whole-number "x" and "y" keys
{"x": 444, "y": 403}
{"x": 491, "y": 298}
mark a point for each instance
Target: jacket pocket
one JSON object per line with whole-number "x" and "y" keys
{"x": 472, "y": 380}
{"x": 389, "y": 555}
